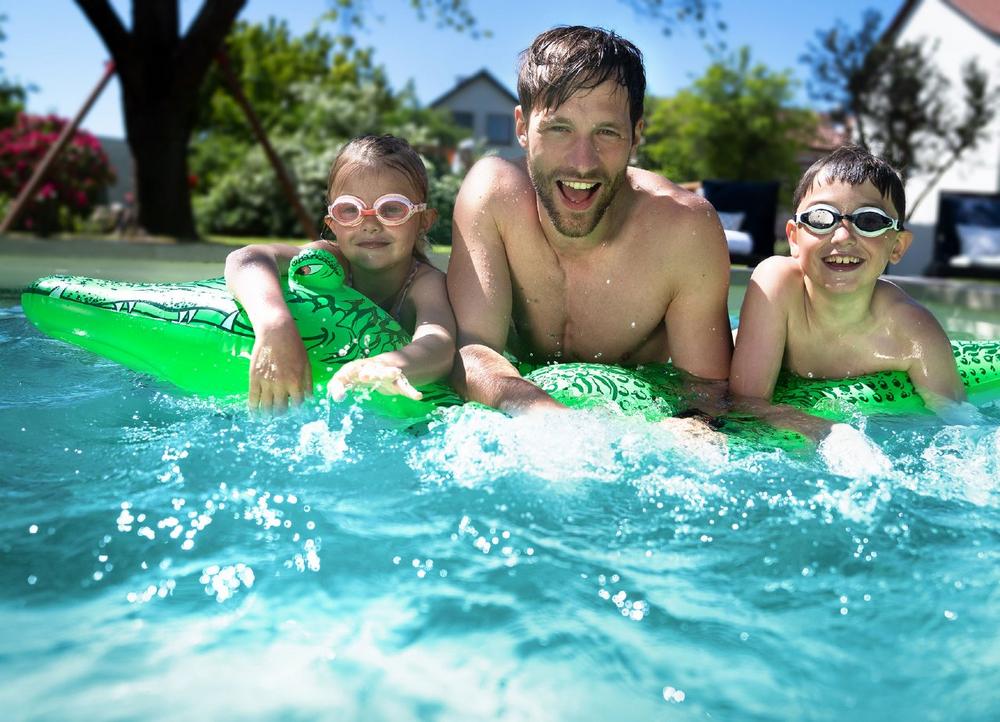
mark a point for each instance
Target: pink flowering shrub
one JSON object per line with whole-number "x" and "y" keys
{"x": 75, "y": 182}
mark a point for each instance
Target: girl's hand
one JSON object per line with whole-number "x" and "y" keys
{"x": 372, "y": 374}
{"x": 279, "y": 369}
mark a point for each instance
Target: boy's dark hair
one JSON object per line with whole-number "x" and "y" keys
{"x": 853, "y": 165}
{"x": 567, "y": 59}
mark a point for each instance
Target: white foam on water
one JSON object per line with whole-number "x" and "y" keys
{"x": 850, "y": 453}
{"x": 476, "y": 446}
{"x": 329, "y": 445}
{"x": 961, "y": 462}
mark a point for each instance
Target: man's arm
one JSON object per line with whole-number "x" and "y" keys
{"x": 479, "y": 289}
{"x": 697, "y": 318}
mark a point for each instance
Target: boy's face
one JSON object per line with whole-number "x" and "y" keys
{"x": 577, "y": 155}
{"x": 842, "y": 259}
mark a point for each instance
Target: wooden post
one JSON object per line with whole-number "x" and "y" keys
{"x": 305, "y": 222}
{"x": 67, "y": 132}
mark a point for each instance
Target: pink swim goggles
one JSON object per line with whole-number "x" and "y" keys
{"x": 391, "y": 209}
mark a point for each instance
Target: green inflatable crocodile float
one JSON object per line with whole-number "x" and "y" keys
{"x": 197, "y": 337}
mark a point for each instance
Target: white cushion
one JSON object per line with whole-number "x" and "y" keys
{"x": 739, "y": 242}
{"x": 979, "y": 242}
{"x": 969, "y": 261}
{"x": 731, "y": 221}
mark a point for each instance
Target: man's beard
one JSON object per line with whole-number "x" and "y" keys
{"x": 579, "y": 224}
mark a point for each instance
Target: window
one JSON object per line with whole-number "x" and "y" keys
{"x": 499, "y": 129}
{"x": 463, "y": 118}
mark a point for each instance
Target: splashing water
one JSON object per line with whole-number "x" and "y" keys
{"x": 166, "y": 557}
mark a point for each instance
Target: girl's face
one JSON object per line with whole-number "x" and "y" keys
{"x": 372, "y": 245}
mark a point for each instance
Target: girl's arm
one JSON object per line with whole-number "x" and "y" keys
{"x": 279, "y": 367}
{"x": 428, "y": 357}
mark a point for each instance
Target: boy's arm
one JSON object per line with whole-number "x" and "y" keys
{"x": 763, "y": 329}
{"x": 932, "y": 369}
{"x": 760, "y": 349}
{"x": 279, "y": 366}
{"x": 479, "y": 288}
{"x": 428, "y": 357}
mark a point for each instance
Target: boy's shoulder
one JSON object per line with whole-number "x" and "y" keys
{"x": 892, "y": 303}
{"x": 780, "y": 274}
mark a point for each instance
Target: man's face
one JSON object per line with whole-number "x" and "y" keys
{"x": 577, "y": 155}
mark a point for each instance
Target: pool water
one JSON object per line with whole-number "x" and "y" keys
{"x": 167, "y": 558}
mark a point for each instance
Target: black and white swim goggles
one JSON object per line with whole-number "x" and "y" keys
{"x": 868, "y": 221}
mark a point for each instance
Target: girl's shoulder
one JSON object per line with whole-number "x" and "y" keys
{"x": 428, "y": 279}
{"x": 426, "y": 269}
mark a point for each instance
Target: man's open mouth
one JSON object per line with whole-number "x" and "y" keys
{"x": 578, "y": 194}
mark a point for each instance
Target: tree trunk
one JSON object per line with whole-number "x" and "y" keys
{"x": 160, "y": 73}
{"x": 163, "y": 193}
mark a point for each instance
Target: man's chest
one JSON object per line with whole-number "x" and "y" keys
{"x": 597, "y": 310}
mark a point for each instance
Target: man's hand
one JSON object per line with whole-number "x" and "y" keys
{"x": 279, "y": 369}
{"x": 370, "y": 373}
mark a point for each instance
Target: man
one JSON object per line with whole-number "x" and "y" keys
{"x": 571, "y": 255}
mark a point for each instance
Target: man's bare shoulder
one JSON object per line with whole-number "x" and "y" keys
{"x": 665, "y": 195}
{"x": 665, "y": 211}
{"x": 496, "y": 178}
{"x": 694, "y": 225}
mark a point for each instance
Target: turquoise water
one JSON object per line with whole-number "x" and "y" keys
{"x": 165, "y": 559}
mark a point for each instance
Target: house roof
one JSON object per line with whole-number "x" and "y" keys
{"x": 984, "y": 14}
{"x": 483, "y": 74}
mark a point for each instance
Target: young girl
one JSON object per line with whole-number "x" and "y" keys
{"x": 378, "y": 214}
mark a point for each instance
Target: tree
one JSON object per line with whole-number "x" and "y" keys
{"x": 161, "y": 71}
{"x": 898, "y": 103}
{"x": 12, "y": 95}
{"x": 735, "y": 122}
{"x": 311, "y": 93}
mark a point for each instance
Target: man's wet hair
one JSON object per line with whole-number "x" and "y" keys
{"x": 853, "y": 165}
{"x": 567, "y": 59}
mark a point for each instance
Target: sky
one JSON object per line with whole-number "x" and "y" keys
{"x": 51, "y": 46}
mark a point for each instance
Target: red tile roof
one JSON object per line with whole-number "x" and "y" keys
{"x": 984, "y": 14}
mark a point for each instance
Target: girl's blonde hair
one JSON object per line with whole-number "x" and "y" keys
{"x": 385, "y": 151}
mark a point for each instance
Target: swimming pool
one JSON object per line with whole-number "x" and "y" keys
{"x": 166, "y": 558}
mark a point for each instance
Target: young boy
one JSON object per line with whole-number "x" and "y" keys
{"x": 824, "y": 312}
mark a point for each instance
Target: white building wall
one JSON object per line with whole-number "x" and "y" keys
{"x": 958, "y": 40}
